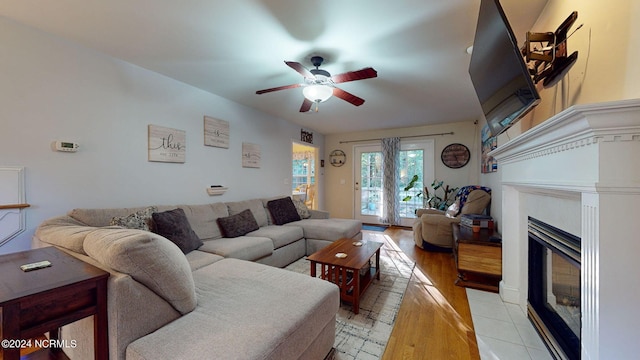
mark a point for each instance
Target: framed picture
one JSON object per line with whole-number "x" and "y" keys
{"x": 488, "y": 163}
{"x": 166, "y": 144}
{"x": 216, "y": 132}
{"x": 250, "y": 155}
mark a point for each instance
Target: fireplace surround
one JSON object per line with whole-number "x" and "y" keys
{"x": 580, "y": 171}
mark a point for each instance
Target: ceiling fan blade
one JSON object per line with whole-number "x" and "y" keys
{"x": 306, "y": 105}
{"x": 348, "y": 97}
{"x": 365, "y": 73}
{"x": 292, "y": 86}
{"x": 300, "y": 69}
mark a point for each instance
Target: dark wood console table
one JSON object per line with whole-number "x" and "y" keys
{"x": 43, "y": 300}
{"x": 478, "y": 257}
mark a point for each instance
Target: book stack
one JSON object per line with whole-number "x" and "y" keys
{"x": 473, "y": 219}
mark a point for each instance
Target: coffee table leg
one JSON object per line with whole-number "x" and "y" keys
{"x": 356, "y": 292}
{"x": 378, "y": 264}
{"x": 313, "y": 268}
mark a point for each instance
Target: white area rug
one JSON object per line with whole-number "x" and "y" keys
{"x": 365, "y": 336}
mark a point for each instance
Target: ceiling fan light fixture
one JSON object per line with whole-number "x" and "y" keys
{"x": 317, "y": 92}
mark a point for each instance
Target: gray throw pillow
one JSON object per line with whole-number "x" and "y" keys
{"x": 302, "y": 209}
{"x": 238, "y": 224}
{"x": 141, "y": 220}
{"x": 173, "y": 225}
{"x": 283, "y": 211}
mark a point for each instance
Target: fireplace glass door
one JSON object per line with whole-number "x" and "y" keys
{"x": 554, "y": 288}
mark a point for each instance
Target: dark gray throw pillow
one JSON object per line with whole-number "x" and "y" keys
{"x": 238, "y": 224}
{"x": 283, "y": 211}
{"x": 173, "y": 225}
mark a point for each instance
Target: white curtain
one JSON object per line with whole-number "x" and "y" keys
{"x": 390, "y": 179}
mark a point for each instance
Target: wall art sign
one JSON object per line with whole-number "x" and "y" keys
{"x": 166, "y": 144}
{"x": 216, "y": 132}
{"x": 306, "y": 136}
{"x": 250, "y": 155}
{"x": 488, "y": 163}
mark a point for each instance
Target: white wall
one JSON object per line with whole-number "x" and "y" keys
{"x": 340, "y": 196}
{"x": 51, "y": 89}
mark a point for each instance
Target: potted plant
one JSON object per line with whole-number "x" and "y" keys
{"x": 436, "y": 201}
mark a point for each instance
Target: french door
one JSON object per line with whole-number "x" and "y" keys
{"x": 416, "y": 158}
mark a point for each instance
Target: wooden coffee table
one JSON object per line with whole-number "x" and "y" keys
{"x": 354, "y": 273}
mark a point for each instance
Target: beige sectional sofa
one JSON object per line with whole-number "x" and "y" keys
{"x": 221, "y": 300}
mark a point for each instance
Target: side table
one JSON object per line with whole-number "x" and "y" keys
{"x": 478, "y": 257}
{"x": 43, "y": 300}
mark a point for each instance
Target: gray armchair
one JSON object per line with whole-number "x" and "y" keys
{"x": 432, "y": 228}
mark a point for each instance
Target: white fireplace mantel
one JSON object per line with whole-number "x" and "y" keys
{"x": 580, "y": 171}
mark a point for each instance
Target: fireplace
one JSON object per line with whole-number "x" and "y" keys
{"x": 554, "y": 288}
{"x": 578, "y": 171}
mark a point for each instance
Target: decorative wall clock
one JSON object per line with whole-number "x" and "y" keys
{"x": 455, "y": 155}
{"x": 337, "y": 158}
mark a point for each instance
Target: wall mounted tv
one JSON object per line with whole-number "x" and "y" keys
{"x": 498, "y": 71}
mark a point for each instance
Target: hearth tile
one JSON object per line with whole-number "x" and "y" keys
{"x": 491, "y": 349}
{"x": 518, "y": 316}
{"x": 496, "y": 329}
{"x": 490, "y": 309}
{"x": 539, "y": 354}
{"x": 529, "y": 336}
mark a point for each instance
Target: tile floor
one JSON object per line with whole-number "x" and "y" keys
{"x": 503, "y": 330}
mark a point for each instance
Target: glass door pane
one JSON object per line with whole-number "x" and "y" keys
{"x": 411, "y": 164}
{"x": 371, "y": 194}
{"x": 368, "y": 184}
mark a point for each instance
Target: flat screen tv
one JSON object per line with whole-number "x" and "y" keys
{"x": 498, "y": 71}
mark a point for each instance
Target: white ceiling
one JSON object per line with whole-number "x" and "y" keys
{"x": 234, "y": 47}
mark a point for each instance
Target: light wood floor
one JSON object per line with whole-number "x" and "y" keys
{"x": 434, "y": 321}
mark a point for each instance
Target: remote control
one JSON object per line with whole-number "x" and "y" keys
{"x": 35, "y": 265}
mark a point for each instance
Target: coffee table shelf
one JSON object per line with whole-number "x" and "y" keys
{"x": 336, "y": 269}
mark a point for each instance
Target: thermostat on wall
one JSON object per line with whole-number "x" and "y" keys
{"x": 66, "y": 146}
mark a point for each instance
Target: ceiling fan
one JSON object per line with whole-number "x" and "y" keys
{"x": 319, "y": 85}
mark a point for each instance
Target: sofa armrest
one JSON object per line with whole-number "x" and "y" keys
{"x": 436, "y": 229}
{"x": 420, "y": 212}
{"x": 319, "y": 214}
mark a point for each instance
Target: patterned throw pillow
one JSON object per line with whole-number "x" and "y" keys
{"x": 238, "y": 224}
{"x": 174, "y": 225}
{"x": 302, "y": 209}
{"x": 141, "y": 220}
{"x": 453, "y": 209}
{"x": 283, "y": 211}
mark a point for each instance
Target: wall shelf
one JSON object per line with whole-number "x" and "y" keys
{"x": 216, "y": 190}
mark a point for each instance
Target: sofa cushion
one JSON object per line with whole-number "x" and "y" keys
{"x": 150, "y": 259}
{"x": 141, "y": 220}
{"x": 238, "y": 224}
{"x": 203, "y": 218}
{"x": 246, "y": 310}
{"x": 283, "y": 211}
{"x": 256, "y": 207}
{"x": 476, "y": 202}
{"x": 243, "y": 247}
{"x": 280, "y": 235}
{"x": 173, "y": 225}
{"x": 100, "y": 217}
{"x": 198, "y": 259}
{"x": 328, "y": 229}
